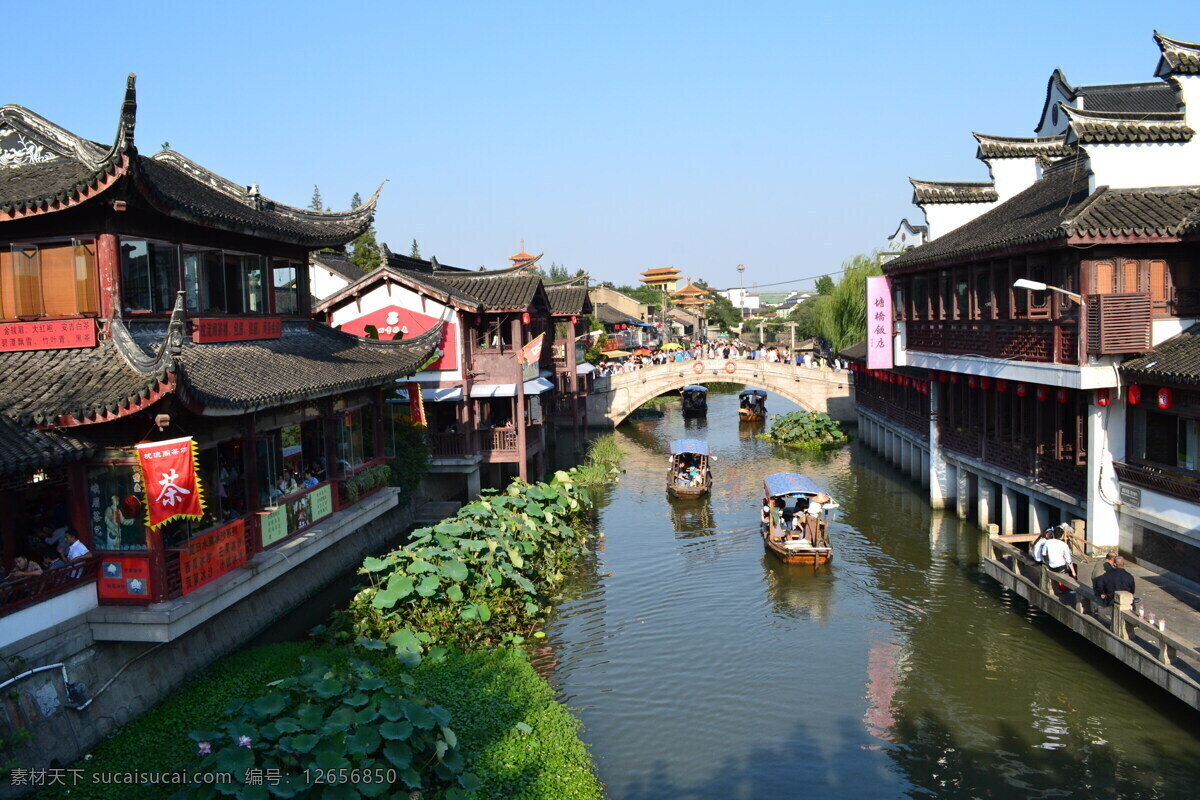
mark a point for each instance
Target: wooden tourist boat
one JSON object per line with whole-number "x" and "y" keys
{"x": 809, "y": 546}
{"x": 695, "y": 400}
{"x": 752, "y": 405}
{"x": 687, "y": 454}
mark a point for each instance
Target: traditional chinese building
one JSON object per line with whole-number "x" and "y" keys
{"x": 665, "y": 279}
{"x": 488, "y": 395}
{"x": 692, "y": 298}
{"x": 523, "y": 259}
{"x": 1042, "y": 354}
{"x": 145, "y": 298}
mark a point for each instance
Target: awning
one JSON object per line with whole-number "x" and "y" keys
{"x": 784, "y": 483}
{"x": 698, "y": 446}
{"x": 445, "y": 395}
{"x": 695, "y": 387}
{"x": 585, "y": 369}
{"x": 535, "y": 386}
{"x": 753, "y": 393}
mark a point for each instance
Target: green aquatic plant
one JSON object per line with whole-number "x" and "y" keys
{"x": 805, "y": 429}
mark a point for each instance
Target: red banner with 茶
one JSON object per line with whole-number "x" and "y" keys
{"x": 171, "y": 480}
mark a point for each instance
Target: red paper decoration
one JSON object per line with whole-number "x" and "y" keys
{"x": 1022, "y": 389}
{"x": 985, "y": 383}
{"x": 1043, "y": 393}
{"x": 1062, "y": 395}
{"x": 525, "y": 318}
{"x": 943, "y": 377}
{"x": 972, "y": 382}
{"x": 1001, "y": 385}
{"x": 1164, "y": 399}
{"x": 1102, "y": 397}
{"x": 1134, "y": 394}
{"x": 954, "y": 378}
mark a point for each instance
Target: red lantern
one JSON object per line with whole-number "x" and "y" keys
{"x": 1164, "y": 399}
{"x": 972, "y": 382}
{"x": 1062, "y": 395}
{"x": 954, "y": 378}
{"x": 478, "y": 320}
{"x": 985, "y": 383}
{"x": 1102, "y": 397}
{"x": 525, "y": 318}
{"x": 1043, "y": 393}
{"x": 943, "y": 376}
{"x": 1134, "y": 393}
{"x": 574, "y": 320}
{"x": 1022, "y": 389}
{"x": 1001, "y": 385}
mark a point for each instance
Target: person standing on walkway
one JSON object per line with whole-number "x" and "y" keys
{"x": 1115, "y": 580}
{"x": 1102, "y": 567}
{"x": 1056, "y": 555}
{"x": 1037, "y": 546}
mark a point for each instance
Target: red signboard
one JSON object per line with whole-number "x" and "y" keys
{"x": 212, "y": 555}
{"x": 394, "y": 322}
{"x": 171, "y": 484}
{"x": 51, "y": 335}
{"x": 124, "y": 578}
{"x": 221, "y": 329}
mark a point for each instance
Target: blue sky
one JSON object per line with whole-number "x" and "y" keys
{"x": 614, "y": 137}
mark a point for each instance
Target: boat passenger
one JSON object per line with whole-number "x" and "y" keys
{"x": 812, "y": 518}
{"x": 765, "y": 517}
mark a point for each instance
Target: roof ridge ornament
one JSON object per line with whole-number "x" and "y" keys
{"x": 1178, "y": 57}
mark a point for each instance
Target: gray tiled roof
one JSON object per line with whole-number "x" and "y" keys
{"x": 1175, "y": 361}
{"x": 26, "y": 448}
{"x": 931, "y": 192}
{"x": 499, "y": 291}
{"x": 569, "y": 298}
{"x": 1033, "y": 215}
{"x": 1096, "y": 127}
{"x": 338, "y": 263}
{"x": 1138, "y": 212}
{"x": 1133, "y": 98}
{"x": 1178, "y": 58}
{"x": 609, "y": 315}
{"x": 1046, "y": 147}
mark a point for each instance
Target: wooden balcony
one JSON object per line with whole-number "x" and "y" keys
{"x": 450, "y": 445}
{"x": 1158, "y": 479}
{"x": 1118, "y": 323}
{"x": 27, "y": 591}
{"x": 1019, "y": 459}
{"x": 1048, "y": 342}
{"x": 498, "y": 439}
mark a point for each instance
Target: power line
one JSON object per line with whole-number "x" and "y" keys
{"x": 795, "y": 280}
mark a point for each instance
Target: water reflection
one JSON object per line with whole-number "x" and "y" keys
{"x": 703, "y": 668}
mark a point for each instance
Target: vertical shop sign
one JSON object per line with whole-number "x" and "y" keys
{"x": 879, "y": 323}
{"x": 172, "y": 484}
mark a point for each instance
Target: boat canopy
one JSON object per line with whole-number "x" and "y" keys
{"x": 789, "y": 483}
{"x": 753, "y": 393}
{"x": 681, "y": 446}
{"x": 695, "y": 387}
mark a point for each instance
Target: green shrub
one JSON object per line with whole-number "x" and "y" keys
{"x": 370, "y": 731}
{"x": 805, "y": 429}
{"x": 486, "y": 574}
{"x": 411, "y": 460}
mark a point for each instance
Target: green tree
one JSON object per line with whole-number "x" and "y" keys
{"x": 722, "y": 311}
{"x": 317, "y": 203}
{"x": 364, "y": 251}
{"x": 416, "y": 250}
{"x": 841, "y": 316}
{"x": 643, "y": 294}
{"x": 825, "y": 285}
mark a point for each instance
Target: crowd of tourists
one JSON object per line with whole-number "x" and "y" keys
{"x": 711, "y": 351}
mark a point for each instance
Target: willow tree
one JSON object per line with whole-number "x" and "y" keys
{"x": 840, "y": 317}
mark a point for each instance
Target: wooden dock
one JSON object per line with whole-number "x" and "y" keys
{"x": 1169, "y": 658}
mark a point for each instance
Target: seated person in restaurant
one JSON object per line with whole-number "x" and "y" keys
{"x": 24, "y": 568}
{"x": 51, "y": 562}
{"x": 310, "y": 480}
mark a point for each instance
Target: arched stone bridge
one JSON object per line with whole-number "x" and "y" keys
{"x": 616, "y": 397}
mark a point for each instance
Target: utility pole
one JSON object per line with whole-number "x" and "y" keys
{"x": 792, "y": 327}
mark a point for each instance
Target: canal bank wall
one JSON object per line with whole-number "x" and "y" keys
{"x": 85, "y": 688}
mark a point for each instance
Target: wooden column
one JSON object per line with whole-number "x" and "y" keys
{"x": 78, "y": 512}
{"x": 573, "y": 382}
{"x": 250, "y": 482}
{"x": 520, "y": 409}
{"x": 331, "y": 461}
{"x": 108, "y": 266}
{"x": 378, "y": 432}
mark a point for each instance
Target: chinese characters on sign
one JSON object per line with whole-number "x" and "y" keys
{"x": 52, "y": 335}
{"x": 879, "y": 323}
{"x": 236, "y": 330}
{"x": 170, "y": 480}
{"x": 124, "y": 578}
{"x": 212, "y": 555}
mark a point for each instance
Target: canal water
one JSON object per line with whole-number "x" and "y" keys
{"x": 702, "y": 667}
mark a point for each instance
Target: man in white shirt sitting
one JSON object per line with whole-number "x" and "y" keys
{"x": 1056, "y": 554}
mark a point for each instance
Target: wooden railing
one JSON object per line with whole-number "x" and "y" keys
{"x": 449, "y": 445}
{"x": 1118, "y": 323}
{"x": 1170, "y": 483}
{"x": 912, "y": 420}
{"x": 1022, "y": 340}
{"x": 1020, "y": 459}
{"x": 498, "y": 439}
{"x": 27, "y": 591}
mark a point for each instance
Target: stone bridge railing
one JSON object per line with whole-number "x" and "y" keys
{"x": 617, "y": 396}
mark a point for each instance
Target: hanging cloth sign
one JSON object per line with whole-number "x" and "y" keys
{"x": 879, "y": 323}
{"x": 416, "y": 404}
{"x": 171, "y": 480}
{"x": 532, "y": 352}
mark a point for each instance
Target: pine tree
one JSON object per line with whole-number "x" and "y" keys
{"x": 364, "y": 250}
{"x": 356, "y": 201}
{"x": 317, "y": 204}
{"x": 416, "y": 250}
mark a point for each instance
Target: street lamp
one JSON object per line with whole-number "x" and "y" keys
{"x": 1038, "y": 286}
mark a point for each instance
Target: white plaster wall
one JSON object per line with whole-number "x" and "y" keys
{"x": 323, "y": 283}
{"x": 945, "y": 217}
{"x": 1013, "y": 175}
{"x": 1046, "y": 127}
{"x": 1163, "y": 329}
{"x": 1131, "y": 166}
{"x": 383, "y": 296}
{"x": 48, "y": 613}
